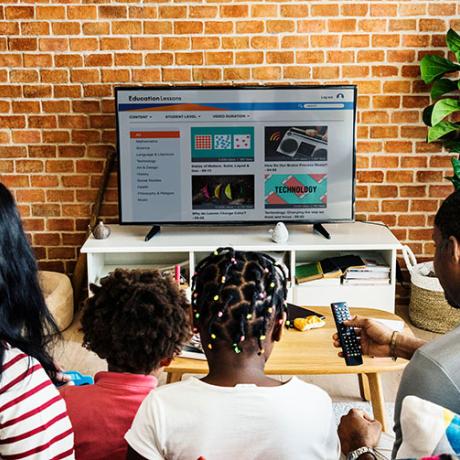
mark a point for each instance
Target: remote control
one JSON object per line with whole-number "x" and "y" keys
{"x": 347, "y": 336}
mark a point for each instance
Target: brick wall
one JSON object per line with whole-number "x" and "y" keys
{"x": 59, "y": 62}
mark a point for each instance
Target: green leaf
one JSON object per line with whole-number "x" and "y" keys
{"x": 443, "y": 108}
{"x": 443, "y": 86}
{"x": 441, "y": 129}
{"x": 433, "y": 67}
{"x": 453, "y": 146}
{"x": 453, "y": 41}
{"x": 456, "y": 166}
{"x": 426, "y": 114}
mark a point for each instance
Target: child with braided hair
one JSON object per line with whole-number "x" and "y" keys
{"x": 236, "y": 411}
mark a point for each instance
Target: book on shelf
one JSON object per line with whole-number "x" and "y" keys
{"x": 193, "y": 349}
{"x": 321, "y": 282}
{"x": 366, "y": 282}
{"x": 308, "y": 272}
{"x": 366, "y": 274}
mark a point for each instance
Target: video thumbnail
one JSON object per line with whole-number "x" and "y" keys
{"x": 296, "y": 143}
{"x": 296, "y": 191}
{"x": 222, "y": 143}
{"x": 223, "y": 192}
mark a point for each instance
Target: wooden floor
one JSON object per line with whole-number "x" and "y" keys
{"x": 72, "y": 356}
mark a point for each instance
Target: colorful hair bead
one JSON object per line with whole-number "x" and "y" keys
{"x": 270, "y": 309}
{"x": 266, "y": 270}
{"x": 261, "y": 352}
{"x": 213, "y": 336}
{"x": 220, "y": 314}
{"x": 272, "y": 284}
{"x": 263, "y": 337}
{"x": 233, "y": 260}
{"x": 242, "y": 338}
{"x": 210, "y": 346}
{"x": 249, "y": 316}
{"x": 197, "y": 315}
{"x": 222, "y": 280}
{"x": 216, "y": 297}
{"x": 216, "y": 253}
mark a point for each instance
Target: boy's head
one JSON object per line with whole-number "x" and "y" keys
{"x": 137, "y": 320}
{"x": 239, "y": 300}
{"x": 447, "y": 239}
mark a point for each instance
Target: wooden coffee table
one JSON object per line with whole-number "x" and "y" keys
{"x": 312, "y": 352}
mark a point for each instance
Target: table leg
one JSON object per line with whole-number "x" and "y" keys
{"x": 376, "y": 393}
{"x": 174, "y": 377}
{"x": 364, "y": 391}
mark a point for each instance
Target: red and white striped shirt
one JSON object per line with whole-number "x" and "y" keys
{"x": 33, "y": 416}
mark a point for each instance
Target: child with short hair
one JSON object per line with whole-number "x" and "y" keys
{"x": 137, "y": 321}
{"x": 236, "y": 411}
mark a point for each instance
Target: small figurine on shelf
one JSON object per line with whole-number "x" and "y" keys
{"x": 100, "y": 231}
{"x": 280, "y": 233}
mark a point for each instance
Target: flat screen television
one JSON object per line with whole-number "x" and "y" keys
{"x": 236, "y": 155}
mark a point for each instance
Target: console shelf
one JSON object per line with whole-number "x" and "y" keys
{"x": 126, "y": 248}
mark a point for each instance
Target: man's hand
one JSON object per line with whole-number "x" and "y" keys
{"x": 375, "y": 337}
{"x": 357, "y": 429}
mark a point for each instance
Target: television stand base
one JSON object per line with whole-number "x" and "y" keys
{"x": 152, "y": 232}
{"x": 321, "y": 230}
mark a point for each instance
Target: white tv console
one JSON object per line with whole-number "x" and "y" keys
{"x": 126, "y": 248}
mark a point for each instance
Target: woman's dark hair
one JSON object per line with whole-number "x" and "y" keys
{"x": 237, "y": 296}
{"x": 135, "y": 319}
{"x": 25, "y": 321}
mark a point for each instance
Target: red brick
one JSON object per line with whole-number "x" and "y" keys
{"x": 44, "y": 181}
{"x": 325, "y": 10}
{"x": 203, "y": 11}
{"x": 60, "y": 196}
{"x": 311, "y": 25}
{"x": 188, "y": 27}
{"x": 249, "y": 57}
{"x": 50, "y": 12}
{"x": 60, "y": 224}
{"x": 112, "y": 12}
{"x": 384, "y": 191}
{"x": 158, "y": 27}
{"x": 412, "y": 191}
{"x": 429, "y": 176}
{"x": 370, "y": 176}
{"x": 355, "y": 41}
{"x": 250, "y": 27}
{"x": 159, "y": 59}
{"x": 42, "y": 151}
{"x": 399, "y": 176}
{"x": 372, "y": 25}
{"x": 398, "y": 146}
{"x": 42, "y": 121}
{"x": 22, "y": 44}
{"x": 59, "y": 166}
{"x": 82, "y": 12}
{"x": 235, "y": 43}
{"x": 46, "y": 210}
{"x": 395, "y": 205}
{"x": 441, "y": 191}
{"x": 424, "y": 205}
{"x": 264, "y": 42}
{"x": 214, "y": 58}
{"x": 384, "y": 10}
{"x": 234, "y": 11}
{"x": 19, "y": 12}
{"x": 341, "y": 25}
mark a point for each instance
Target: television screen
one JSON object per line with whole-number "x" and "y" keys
{"x": 236, "y": 154}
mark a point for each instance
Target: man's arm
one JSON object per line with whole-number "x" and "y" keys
{"x": 133, "y": 455}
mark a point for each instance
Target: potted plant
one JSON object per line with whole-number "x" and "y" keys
{"x": 443, "y": 115}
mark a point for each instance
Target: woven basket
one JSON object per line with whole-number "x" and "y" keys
{"x": 428, "y": 307}
{"x": 429, "y": 310}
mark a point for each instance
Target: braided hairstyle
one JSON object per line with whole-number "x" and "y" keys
{"x": 237, "y": 296}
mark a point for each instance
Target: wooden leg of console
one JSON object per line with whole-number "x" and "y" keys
{"x": 364, "y": 391}
{"x": 376, "y": 393}
{"x": 173, "y": 377}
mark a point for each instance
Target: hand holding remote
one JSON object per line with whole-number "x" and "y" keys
{"x": 375, "y": 337}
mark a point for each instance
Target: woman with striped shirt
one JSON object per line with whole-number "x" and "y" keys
{"x": 33, "y": 417}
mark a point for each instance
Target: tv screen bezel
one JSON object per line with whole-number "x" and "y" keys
{"x": 233, "y": 88}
